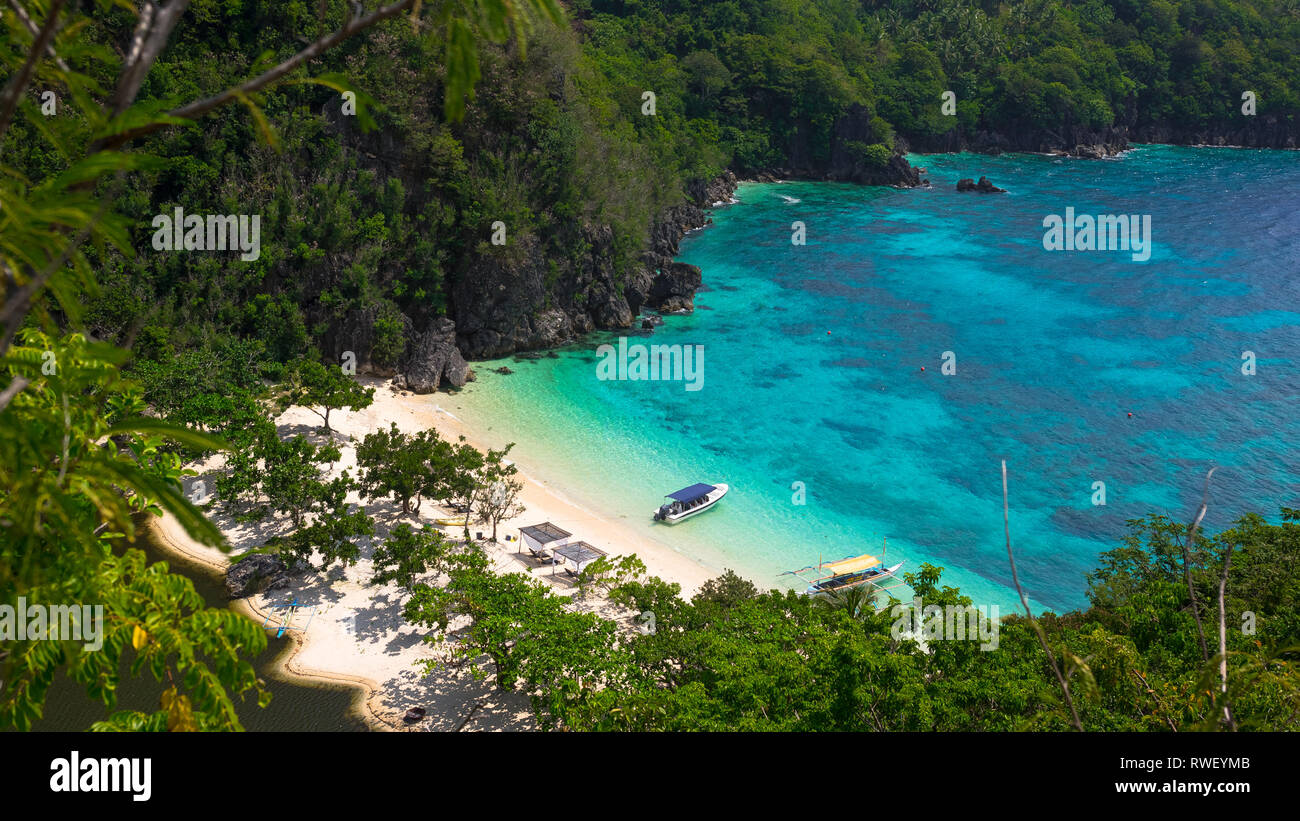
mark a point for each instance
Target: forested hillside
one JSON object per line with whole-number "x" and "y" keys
{"x": 371, "y": 238}
{"x": 779, "y": 78}
{"x": 368, "y": 238}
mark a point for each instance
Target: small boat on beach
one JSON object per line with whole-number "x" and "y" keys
{"x": 689, "y": 501}
{"x": 285, "y": 612}
{"x": 845, "y": 574}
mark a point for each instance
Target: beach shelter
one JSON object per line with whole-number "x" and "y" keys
{"x": 537, "y": 538}
{"x": 580, "y": 553}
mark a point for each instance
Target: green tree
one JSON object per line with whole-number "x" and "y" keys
{"x": 392, "y": 462}
{"x": 606, "y": 574}
{"x": 315, "y": 385}
{"x": 461, "y": 469}
{"x": 497, "y": 496}
{"x": 334, "y": 532}
{"x": 533, "y": 642}
{"x": 292, "y": 476}
{"x": 856, "y": 602}
{"x": 407, "y": 554}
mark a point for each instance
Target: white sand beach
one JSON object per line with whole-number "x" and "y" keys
{"x": 357, "y": 634}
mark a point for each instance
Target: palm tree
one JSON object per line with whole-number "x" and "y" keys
{"x": 858, "y": 602}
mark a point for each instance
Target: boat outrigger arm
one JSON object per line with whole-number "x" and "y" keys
{"x": 286, "y": 613}
{"x": 846, "y": 573}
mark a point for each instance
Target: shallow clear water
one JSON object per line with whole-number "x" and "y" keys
{"x": 813, "y": 357}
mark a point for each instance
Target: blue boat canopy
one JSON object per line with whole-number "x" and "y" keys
{"x": 690, "y": 494}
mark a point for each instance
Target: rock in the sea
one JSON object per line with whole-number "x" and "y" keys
{"x": 674, "y": 285}
{"x": 504, "y": 371}
{"x": 647, "y": 325}
{"x": 255, "y": 574}
{"x": 432, "y": 358}
{"x": 983, "y": 186}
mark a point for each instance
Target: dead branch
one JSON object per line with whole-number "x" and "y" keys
{"x": 152, "y": 31}
{"x": 1223, "y": 642}
{"x": 11, "y": 390}
{"x": 1187, "y": 563}
{"x": 477, "y": 706}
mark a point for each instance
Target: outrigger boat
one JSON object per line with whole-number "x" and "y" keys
{"x": 846, "y": 573}
{"x": 285, "y": 613}
{"x": 689, "y": 501}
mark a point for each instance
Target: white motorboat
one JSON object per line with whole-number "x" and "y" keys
{"x": 689, "y": 501}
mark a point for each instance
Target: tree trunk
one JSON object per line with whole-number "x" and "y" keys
{"x": 498, "y": 660}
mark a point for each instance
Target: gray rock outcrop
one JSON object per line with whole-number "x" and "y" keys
{"x": 983, "y": 186}
{"x": 255, "y": 574}
{"x": 433, "y": 359}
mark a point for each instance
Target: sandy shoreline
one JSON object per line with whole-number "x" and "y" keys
{"x": 357, "y": 636}
{"x": 170, "y": 537}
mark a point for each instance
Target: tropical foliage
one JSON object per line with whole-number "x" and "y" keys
{"x": 734, "y": 658}
{"x": 81, "y": 456}
{"x": 108, "y": 119}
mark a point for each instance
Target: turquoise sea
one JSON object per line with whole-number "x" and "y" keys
{"x": 813, "y": 372}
